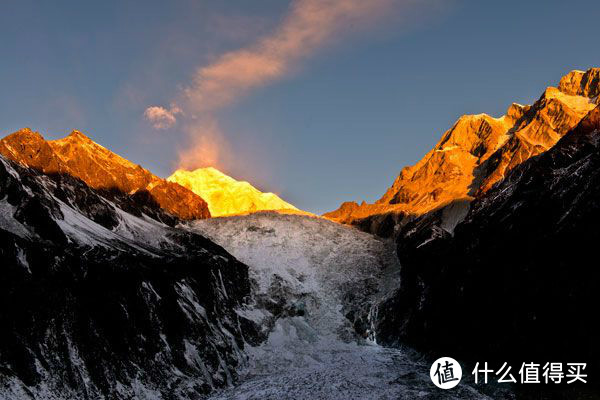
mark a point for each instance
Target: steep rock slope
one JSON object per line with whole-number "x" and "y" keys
{"x": 101, "y": 169}
{"x": 225, "y": 195}
{"x": 98, "y": 303}
{"x": 516, "y": 279}
{"x": 479, "y": 151}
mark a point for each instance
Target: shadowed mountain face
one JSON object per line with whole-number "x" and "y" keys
{"x": 477, "y": 152}
{"x": 96, "y": 302}
{"x": 101, "y": 169}
{"x": 517, "y": 279}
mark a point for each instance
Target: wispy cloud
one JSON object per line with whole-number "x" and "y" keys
{"x": 308, "y": 26}
{"x": 162, "y": 118}
{"x": 206, "y": 146}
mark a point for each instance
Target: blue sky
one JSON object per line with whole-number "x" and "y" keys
{"x": 338, "y": 125}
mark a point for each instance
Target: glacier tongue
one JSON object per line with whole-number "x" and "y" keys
{"x": 315, "y": 284}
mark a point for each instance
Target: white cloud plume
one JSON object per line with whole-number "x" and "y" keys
{"x": 309, "y": 25}
{"x": 305, "y": 29}
{"x": 162, "y": 118}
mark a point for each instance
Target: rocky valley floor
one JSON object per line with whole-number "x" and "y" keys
{"x": 312, "y": 278}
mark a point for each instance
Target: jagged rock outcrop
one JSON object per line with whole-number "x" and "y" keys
{"x": 78, "y": 156}
{"x": 31, "y": 149}
{"x": 515, "y": 280}
{"x": 225, "y": 195}
{"x": 479, "y": 150}
{"x": 554, "y": 114}
{"x": 580, "y": 83}
{"x": 96, "y": 302}
{"x": 381, "y": 219}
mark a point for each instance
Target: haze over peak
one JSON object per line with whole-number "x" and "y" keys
{"x": 225, "y": 195}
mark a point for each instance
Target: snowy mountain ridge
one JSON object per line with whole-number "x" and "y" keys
{"x": 225, "y": 195}
{"x": 111, "y": 304}
{"x": 157, "y": 312}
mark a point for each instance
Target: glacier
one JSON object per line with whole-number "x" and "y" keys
{"x": 316, "y": 285}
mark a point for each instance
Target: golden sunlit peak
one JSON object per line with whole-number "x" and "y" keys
{"x": 225, "y": 195}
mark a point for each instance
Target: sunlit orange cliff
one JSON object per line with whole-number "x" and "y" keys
{"x": 477, "y": 152}
{"x": 78, "y": 156}
{"x": 186, "y": 195}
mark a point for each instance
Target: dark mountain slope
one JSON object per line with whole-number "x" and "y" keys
{"x": 518, "y": 278}
{"x": 98, "y": 303}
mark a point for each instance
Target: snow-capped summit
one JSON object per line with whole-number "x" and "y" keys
{"x": 186, "y": 195}
{"x": 225, "y": 195}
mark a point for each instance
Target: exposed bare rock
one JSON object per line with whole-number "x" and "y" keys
{"x": 553, "y": 115}
{"x": 82, "y": 158}
{"x": 580, "y": 83}
{"x": 515, "y": 279}
{"x": 98, "y": 303}
{"x": 29, "y": 148}
{"x": 479, "y": 150}
{"x": 99, "y": 167}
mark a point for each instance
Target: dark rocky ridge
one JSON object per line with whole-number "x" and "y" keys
{"x": 516, "y": 280}
{"x": 98, "y": 303}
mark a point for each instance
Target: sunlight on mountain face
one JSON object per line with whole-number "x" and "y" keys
{"x": 225, "y": 195}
